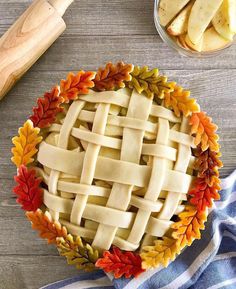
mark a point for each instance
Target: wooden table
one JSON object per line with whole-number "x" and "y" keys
{"x": 98, "y": 31}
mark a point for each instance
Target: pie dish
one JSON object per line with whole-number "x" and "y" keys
{"x": 117, "y": 168}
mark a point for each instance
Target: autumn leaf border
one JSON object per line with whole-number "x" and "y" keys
{"x": 205, "y": 189}
{"x": 153, "y": 85}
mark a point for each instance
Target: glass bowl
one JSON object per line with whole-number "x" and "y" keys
{"x": 171, "y": 42}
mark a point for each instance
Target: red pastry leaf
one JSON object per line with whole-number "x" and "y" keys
{"x": 77, "y": 84}
{"x": 113, "y": 76}
{"x": 47, "y": 108}
{"x": 202, "y": 194}
{"x": 29, "y": 193}
{"x": 126, "y": 263}
{"x": 48, "y": 229}
{"x": 207, "y": 164}
{"x": 204, "y": 131}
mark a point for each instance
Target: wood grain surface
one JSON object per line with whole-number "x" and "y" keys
{"x": 97, "y": 32}
{"x": 30, "y": 36}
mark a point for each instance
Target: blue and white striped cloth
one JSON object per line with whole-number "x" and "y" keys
{"x": 210, "y": 263}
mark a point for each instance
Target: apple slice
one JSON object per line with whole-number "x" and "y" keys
{"x": 168, "y": 9}
{"x": 221, "y": 21}
{"x": 200, "y": 16}
{"x": 181, "y": 41}
{"x": 197, "y": 46}
{"x": 178, "y": 41}
{"x": 213, "y": 41}
{"x": 232, "y": 15}
{"x": 180, "y": 24}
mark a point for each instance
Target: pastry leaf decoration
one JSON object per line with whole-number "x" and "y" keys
{"x": 25, "y": 144}
{"x": 48, "y": 106}
{"x": 202, "y": 194}
{"x": 150, "y": 82}
{"x": 207, "y": 184}
{"x": 161, "y": 253}
{"x": 207, "y": 163}
{"x": 112, "y": 76}
{"x": 77, "y": 252}
{"x": 48, "y": 229}
{"x": 120, "y": 263}
{"x": 74, "y": 85}
{"x": 28, "y": 190}
{"x": 204, "y": 131}
{"x": 179, "y": 100}
{"x": 189, "y": 226}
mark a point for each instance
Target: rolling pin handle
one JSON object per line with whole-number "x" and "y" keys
{"x": 60, "y": 5}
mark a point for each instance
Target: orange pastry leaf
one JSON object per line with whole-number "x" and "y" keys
{"x": 113, "y": 76}
{"x": 120, "y": 263}
{"x": 48, "y": 229}
{"x": 189, "y": 226}
{"x": 202, "y": 194}
{"x": 25, "y": 144}
{"x": 179, "y": 100}
{"x": 204, "y": 131}
{"x": 161, "y": 253}
{"x": 44, "y": 114}
{"x": 77, "y": 84}
{"x": 207, "y": 163}
{"x": 28, "y": 190}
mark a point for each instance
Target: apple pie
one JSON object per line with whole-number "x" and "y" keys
{"x": 117, "y": 168}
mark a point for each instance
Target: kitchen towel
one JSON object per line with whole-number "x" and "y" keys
{"x": 210, "y": 263}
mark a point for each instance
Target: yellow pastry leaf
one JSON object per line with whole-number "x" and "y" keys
{"x": 48, "y": 229}
{"x": 77, "y": 252}
{"x": 179, "y": 100}
{"x": 205, "y": 131}
{"x": 150, "y": 82}
{"x": 25, "y": 144}
{"x": 161, "y": 253}
{"x": 189, "y": 226}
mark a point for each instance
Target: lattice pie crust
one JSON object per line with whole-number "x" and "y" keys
{"x": 117, "y": 166}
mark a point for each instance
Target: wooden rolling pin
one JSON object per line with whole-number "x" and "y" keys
{"x": 28, "y": 38}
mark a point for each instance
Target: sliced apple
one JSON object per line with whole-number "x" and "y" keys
{"x": 232, "y": 15}
{"x": 180, "y": 24}
{"x": 168, "y": 9}
{"x": 221, "y": 21}
{"x": 200, "y": 16}
{"x": 181, "y": 41}
{"x": 213, "y": 41}
{"x": 197, "y": 46}
{"x": 178, "y": 41}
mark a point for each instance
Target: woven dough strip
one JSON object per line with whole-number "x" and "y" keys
{"x": 113, "y": 219}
